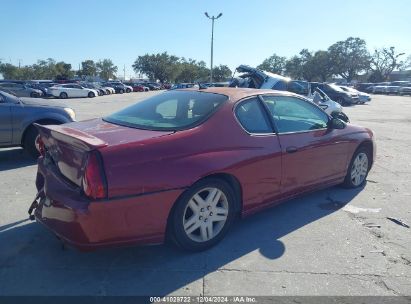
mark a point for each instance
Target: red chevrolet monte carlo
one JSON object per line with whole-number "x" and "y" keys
{"x": 184, "y": 163}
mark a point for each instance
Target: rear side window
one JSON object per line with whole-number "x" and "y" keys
{"x": 170, "y": 111}
{"x": 251, "y": 116}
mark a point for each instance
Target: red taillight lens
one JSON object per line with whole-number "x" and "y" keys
{"x": 94, "y": 182}
{"x": 40, "y": 145}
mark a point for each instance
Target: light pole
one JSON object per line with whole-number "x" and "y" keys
{"x": 212, "y": 38}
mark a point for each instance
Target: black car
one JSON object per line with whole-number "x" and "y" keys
{"x": 93, "y": 86}
{"x": 336, "y": 93}
{"x": 363, "y": 87}
{"x": 152, "y": 85}
{"x": 119, "y": 87}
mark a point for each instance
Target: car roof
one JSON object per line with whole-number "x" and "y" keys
{"x": 236, "y": 94}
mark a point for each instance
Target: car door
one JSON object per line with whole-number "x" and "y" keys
{"x": 6, "y": 128}
{"x": 20, "y": 90}
{"x": 312, "y": 154}
{"x": 80, "y": 91}
{"x": 66, "y": 88}
{"x": 262, "y": 173}
{"x": 9, "y": 87}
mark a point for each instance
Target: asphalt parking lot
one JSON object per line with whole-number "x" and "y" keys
{"x": 332, "y": 242}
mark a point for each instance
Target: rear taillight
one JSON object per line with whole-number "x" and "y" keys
{"x": 40, "y": 145}
{"x": 94, "y": 181}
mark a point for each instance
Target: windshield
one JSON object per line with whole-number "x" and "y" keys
{"x": 170, "y": 111}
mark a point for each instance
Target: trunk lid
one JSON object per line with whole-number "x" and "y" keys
{"x": 68, "y": 145}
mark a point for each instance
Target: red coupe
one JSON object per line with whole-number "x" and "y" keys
{"x": 184, "y": 163}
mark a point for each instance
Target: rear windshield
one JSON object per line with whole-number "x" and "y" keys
{"x": 170, "y": 111}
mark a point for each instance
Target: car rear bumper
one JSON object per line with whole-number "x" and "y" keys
{"x": 89, "y": 225}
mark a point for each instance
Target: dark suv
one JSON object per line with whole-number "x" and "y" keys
{"x": 17, "y": 118}
{"x": 336, "y": 93}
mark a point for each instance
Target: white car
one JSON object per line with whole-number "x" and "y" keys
{"x": 72, "y": 90}
{"x": 363, "y": 97}
{"x": 255, "y": 78}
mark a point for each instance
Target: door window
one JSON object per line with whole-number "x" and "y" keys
{"x": 292, "y": 114}
{"x": 251, "y": 116}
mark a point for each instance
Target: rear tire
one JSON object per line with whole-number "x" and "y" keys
{"x": 29, "y": 142}
{"x": 121, "y": 91}
{"x": 34, "y": 95}
{"x": 203, "y": 215}
{"x": 341, "y": 101}
{"x": 358, "y": 169}
{"x": 63, "y": 95}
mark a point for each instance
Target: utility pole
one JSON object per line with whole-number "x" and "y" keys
{"x": 124, "y": 71}
{"x": 212, "y": 41}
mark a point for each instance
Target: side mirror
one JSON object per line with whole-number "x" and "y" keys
{"x": 336, "y": 123}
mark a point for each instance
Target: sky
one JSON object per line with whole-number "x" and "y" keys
{"x": 247, "y": 33}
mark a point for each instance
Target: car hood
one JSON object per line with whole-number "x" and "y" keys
{"x": 42, "y": 103}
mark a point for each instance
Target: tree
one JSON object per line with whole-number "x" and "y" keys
{"x": 348, "y": 58}
{"x": 383, "y": 62}
{"x": 274, "y": 64}
{"x": 162, "y": 67}
{"x": 63, "y": 70}
{"x": 106, "y": 69}
{"x": 321, "y": 65}
{"x": 190, "y": 70}
{"x": 221, "y": 73}
{"x": 294, "y": 67}
{"x": 88, "y": 68}
{"x": 9, "y": 71}
{"x": 407, "y": 63}
{"x": 308, "y": 69}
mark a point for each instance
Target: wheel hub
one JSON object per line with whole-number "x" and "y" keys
{"x": 359, "y": 169}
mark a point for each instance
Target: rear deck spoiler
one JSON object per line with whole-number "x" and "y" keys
{"x": 74, "y": 137}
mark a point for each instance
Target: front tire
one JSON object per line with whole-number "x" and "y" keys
{"x": 29, "y": 142}
{"x": 128, "y": 91}
{"x": 91, "y": 95}
{"x": 341, "y": 101}
{"x": 34, "y": 95}
{"x": 203, "y": 215}
{"x": 358, "y": 169}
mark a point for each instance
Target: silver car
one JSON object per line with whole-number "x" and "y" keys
{"x": 17, "y": 118}
{"x": 20, "y": 90}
